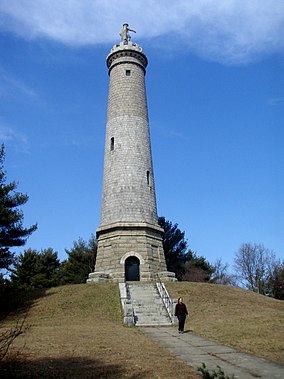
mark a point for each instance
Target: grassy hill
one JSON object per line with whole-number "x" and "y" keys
{"x": 76, "y": 332}
{"x": 232, "y": 316}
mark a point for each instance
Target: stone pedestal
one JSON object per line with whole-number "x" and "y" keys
{"x": 120, "y": 241}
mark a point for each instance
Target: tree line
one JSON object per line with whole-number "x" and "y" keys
{"x": 255, "y": 267}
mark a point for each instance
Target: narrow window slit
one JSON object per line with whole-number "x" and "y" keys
{"x": 112, "y": 144}
{"x": 148, "y": 178}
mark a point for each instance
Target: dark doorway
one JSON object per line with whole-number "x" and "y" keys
{"x": 132, "y": 269}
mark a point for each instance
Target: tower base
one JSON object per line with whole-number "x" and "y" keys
{"x": 130, "y": 252}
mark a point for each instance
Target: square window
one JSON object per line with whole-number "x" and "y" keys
{"x": 127, "y": 72}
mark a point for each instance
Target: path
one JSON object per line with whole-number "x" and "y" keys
{"x": 195, "y": 350}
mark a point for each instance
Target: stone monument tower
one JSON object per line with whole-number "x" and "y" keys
{"x": 129, "y": 237}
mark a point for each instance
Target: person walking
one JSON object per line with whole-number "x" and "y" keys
{"x": 181, "y": 313}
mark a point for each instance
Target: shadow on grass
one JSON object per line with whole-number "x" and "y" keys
{"x": 14, "y": 306}
{"x": 65, "y": 368}
{"x": 14, "y": 302}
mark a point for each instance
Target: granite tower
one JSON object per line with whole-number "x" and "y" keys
{"x": 129, "y": 237}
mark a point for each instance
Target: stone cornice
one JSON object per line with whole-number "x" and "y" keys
{"x": 129, "y": 226}
{"x": 131, "y": 53}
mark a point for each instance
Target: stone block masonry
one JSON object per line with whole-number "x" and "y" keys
{"x": 128, "y": 186}
{"x": 124, "y": 241}
{"x": 129, "y": 237}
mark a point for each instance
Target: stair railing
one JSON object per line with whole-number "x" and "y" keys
{"x": 167, "y": 300}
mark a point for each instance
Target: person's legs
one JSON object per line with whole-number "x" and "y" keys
{"x": 182, "y": 321}
{"x": 179, "y": 322}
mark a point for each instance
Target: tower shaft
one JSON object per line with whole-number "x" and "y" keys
{"x": 128, "y": 183}
{"x": 129, "y": 237}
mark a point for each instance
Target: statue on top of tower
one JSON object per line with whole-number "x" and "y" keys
{"x": 124, "y": 34}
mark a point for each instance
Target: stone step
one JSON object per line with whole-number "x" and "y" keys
{"x": 151, "y": 322}
{"x": 148, "y": 306}
{"x": 147, "y": 314}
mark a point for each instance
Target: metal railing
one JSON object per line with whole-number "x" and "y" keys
{"x": 167, "y": 300}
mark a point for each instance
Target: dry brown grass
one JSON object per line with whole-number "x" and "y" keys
{"x": 250, "y": 322}
{"x": 76, "y": 332}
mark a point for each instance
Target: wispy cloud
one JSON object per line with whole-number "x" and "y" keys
{"x": 13, "y": 87}
{"x": 13, "y": 138}
{"x": 232, "y": 31}
{"x": 275, "y": 101}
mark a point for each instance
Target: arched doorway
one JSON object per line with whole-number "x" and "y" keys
{"x": 132, "y": 269}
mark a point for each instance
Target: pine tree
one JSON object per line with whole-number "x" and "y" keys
{"x": 175, "y": 245}
{"x": 80, "y": 262}
{"x": 25, "y": 268}
{"x": 36, "y": 270}
{"x": 12, "y": 231}
{"x": 186, "y": 264}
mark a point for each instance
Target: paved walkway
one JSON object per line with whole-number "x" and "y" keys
{"x": 195, "y": 350}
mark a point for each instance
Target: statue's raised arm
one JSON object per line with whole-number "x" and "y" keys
{"x": 124, "y": 34}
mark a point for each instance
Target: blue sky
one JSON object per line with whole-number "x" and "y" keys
{"x": 215, "y": 89}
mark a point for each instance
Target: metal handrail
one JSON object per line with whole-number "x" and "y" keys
{"x": 167, "y": 300}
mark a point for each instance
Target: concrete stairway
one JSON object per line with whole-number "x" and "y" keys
{"x": 148, "y": 307}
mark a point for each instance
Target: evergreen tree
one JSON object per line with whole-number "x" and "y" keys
{"x": 174, "y": 245}
{"x": 278, "y": 282}
{"x": 47, "y": 269}
{"x": 25, "y": 268}
{"x": 196, "y": 268}
{"x": 12, "y": 231}
{"x": 186, "y": 264}
{"x": 80, "y": 262}
{"x": 36, "y": 270}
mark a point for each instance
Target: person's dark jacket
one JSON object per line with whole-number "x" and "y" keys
{"x": 180, "y": 309}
